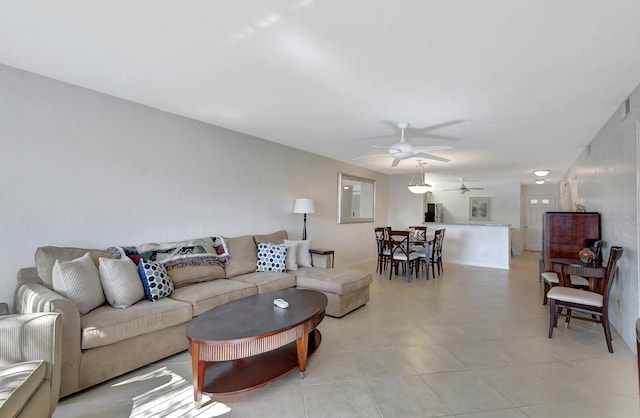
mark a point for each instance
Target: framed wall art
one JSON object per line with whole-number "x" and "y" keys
{"x": 479, "y": 208}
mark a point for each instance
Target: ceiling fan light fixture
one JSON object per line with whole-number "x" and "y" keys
{"x": 541, "y": 173}
{"x": 418, "y": 186}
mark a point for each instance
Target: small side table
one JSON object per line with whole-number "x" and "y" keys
{"x": 4, "y": 308}
{"x": 326, "y": 253}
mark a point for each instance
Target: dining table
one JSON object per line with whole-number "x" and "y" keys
{"x": 565, "y": 267}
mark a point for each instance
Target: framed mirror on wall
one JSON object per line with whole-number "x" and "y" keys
{"x": 356, "y": 199}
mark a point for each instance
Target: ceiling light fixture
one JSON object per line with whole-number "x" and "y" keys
{"x": 541, "y": 181}
{"x": 419, "y": 186}
{"x": 542, "y": 173}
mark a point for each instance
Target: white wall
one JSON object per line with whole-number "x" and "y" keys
{"x": 406, "y": 208}
{"x": 604, "y": 179}
{"x": 79, "y": 168}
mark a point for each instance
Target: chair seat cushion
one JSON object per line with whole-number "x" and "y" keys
{"x": 18, "y": 382}
{"x": 403, "y": 257}
{"x": 550, "y": 277}
{"x": 579, "y": 281}
{"x": 572, "y": 295}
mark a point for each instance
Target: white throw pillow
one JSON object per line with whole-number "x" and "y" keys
{"x": 79, "y": 281}
{"x": 120, "y": 282}
{"x": 303, "y": 257}
{"x": 292, "y": 257}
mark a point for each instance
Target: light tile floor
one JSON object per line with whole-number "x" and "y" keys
{"x": 471, "y": 343}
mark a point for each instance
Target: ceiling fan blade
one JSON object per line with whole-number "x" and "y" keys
{"x": 449, "y": 190}
{"x": 431, "y": 157}
{"x": 430, "y": 148}
{"x": 439, "y": 125}
{"x": 369, "y": 156}
{"x": 431, "y": 136}
{"x": 475, "y": 188}
{"x": 395, "y": 162}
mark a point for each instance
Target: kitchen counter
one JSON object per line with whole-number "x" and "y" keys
{"x": 475, "y": 244}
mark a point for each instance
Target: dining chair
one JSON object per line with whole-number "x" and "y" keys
{"x": 384, "y": 253}
{"x": 551, "y": 278}
{"x": 401, "y": 253}
{"x": 594, "y": 302}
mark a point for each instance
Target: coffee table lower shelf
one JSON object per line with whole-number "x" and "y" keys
{"x": 234, "y": 376}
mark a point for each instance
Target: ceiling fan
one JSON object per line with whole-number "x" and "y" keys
{"x": 403, "y": 149}
{"x": 464, "y": 189}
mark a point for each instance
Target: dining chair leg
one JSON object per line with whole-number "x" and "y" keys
{"x": 545, "y": 289}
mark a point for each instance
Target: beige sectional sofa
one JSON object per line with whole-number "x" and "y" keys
{"x": 106, "y": 341}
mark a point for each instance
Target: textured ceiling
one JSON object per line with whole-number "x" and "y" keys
{"x": 511, "y": 86}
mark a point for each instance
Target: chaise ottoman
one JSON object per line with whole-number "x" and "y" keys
{"x": 346, "y": 289}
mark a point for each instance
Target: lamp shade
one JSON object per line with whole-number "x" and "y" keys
{"x": 304, "y": 205}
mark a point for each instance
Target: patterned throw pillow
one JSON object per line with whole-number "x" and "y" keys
{"x": 272, "y": 258}
{"x": 155, "y": 280}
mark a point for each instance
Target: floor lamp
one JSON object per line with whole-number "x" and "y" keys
{"x": 304, "y": 205}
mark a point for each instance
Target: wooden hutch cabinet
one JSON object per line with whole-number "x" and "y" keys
{"x": 563, "y": 234}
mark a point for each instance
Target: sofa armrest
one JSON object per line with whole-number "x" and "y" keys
{"x": 32, "y": 337}
{"x": 33, "y": 298}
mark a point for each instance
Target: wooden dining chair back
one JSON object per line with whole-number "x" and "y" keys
{"x": 593, "y": 302}
{"x": 435, "y": 252}
{"x": 384, "y": 252}
{"x": 400, "y": 246}
{"x": 420, "y": 232}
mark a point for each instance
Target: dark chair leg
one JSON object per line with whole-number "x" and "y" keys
{"x": 607, "y": 333}
{"x": 553, "y": 317}
{"x": 545, "y": 289}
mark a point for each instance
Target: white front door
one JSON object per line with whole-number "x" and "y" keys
{"x": 536, "y": 207}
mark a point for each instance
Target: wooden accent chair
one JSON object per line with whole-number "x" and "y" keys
{"x": 594, "y": 302}
{"x": 551, "y": 278}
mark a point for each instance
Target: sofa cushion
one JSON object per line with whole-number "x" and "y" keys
{"x": 183, "y": 276}
{"x": 18, "y": 383}
{"x": 208, "y": 295}
{"x": 267, "y": 282}
{"x": 271, "y": 258}
{"x": 303, "y": 258}
{"x": 78, "y": 280}
{"x": 106, "y": 325}
{"x": 277, "y": 237}
{"x": 120, "y": 281}
{"x": 47, "y": 256}
{"x": 291, "y": 263}
{"x": 156, "y": 282}
{"x": 243, "y": 256}
{"x": 336, "y": 281}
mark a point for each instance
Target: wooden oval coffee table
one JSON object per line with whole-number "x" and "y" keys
{"x": 249, "y": 342}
